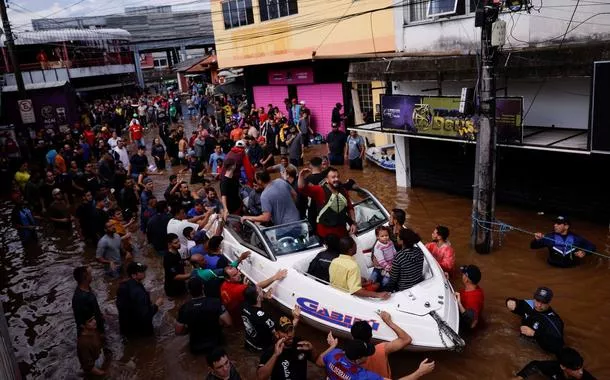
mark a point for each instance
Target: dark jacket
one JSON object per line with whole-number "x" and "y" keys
{"x": 547, "y": 325}
{"x": 136, "y": 311}
{"x": 319, "y": 266}
{"x": 562, "y": 248}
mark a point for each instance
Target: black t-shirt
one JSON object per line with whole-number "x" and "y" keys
{"x": 84, "y": 305}
{"x": 550, "y": 368}
{"x": 290, "y": 365}
{"x": 319, "y": 266}
{"x": 99, "y": 218}
{"x": 336, "y": 142}
{"x": 156, "y": 231}
{"x": 229, "y": 187}
{"x": 259, "y": 327}
{"x": 138, "y": 163}
{"x": 201, "y": 315}
{"x": 128, "y": 199}
{"x": 173, "y": 265}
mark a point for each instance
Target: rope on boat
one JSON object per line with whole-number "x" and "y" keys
{"x": 445, "y": 330}
{"x": 501, "y": 228}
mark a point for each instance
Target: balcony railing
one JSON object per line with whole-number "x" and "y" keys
{"x": 108, "y": 59}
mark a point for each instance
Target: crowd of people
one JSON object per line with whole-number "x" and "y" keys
{"x": 98, "y": 179}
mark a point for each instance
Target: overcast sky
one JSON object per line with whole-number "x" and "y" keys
{"x": 20, "y": 12}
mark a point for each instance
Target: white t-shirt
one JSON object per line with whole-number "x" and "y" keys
{"x": 123, "y": 155}
{"x": 176, "y": 226}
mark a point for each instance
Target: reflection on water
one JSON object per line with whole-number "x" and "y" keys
{"x": 37, "y": 285}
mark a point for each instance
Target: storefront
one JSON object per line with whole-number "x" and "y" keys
{"x": 311, "y": 83}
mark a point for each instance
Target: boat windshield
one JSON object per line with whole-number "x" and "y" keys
{"x": 369, "y": 214}
{"x": 290, "y": 238}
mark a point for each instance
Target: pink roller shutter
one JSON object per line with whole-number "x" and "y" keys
{"x": 264, "y": 95}
{"x": 321, "y": 99}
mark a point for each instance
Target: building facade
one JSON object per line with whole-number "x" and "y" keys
{"x": 298, "y": 49}
{"x": 547, "y": 62}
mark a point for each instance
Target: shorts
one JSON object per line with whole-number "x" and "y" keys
{"x": 356, "y": 163}
{"x": 335, "y": 159}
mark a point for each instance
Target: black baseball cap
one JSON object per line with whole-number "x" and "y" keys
{"x": 356, "y": 349}
{"x": 135, "y": 267}
{"x": 562, "y": 220}
{"x": 543, "y": 294}
{"x": 472, "y": 272}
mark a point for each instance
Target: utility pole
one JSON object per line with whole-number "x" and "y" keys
{"x": 484, "y": 198}
{"x": 10, "y": 46}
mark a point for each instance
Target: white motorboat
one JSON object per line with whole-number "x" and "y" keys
{"x": 383, "y": 156}
{"x": 428, "y": 311}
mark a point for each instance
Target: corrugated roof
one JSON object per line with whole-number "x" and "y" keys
{"x": 60, "y": 35}
{"x": 35, "y": 86}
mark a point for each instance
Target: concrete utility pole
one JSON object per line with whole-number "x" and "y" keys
{"x": 10, "y": 46}
{"x": 484, "y": 197}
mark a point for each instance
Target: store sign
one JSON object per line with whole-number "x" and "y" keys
{"x": 440, "y": 116}
{"x": 26, "y": 109}
{"x": 301, "y": 75}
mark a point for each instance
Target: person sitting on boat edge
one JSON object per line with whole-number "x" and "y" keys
{"x": 569, "y": 365}
{"x": 408, "y": 265}
{"x": 277, "y": 201}
{"x": 539, "y": 320}
{"x": 344, "y": 272}
{"x": 440, "y": 247}
{"x": 565, "y": 248}
{"x": 470, "y": 299}
{"x": 333, "y": 202}
{"x": 319, "y": 266}
{"x": 378, "y": 362}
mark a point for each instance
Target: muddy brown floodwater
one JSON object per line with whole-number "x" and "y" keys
{"x": 36, "y": 288}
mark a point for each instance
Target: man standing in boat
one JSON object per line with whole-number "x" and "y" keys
{"x": 565, "y": 248}
{"x": 334, "y": 205}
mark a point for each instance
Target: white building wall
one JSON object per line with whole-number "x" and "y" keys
{"x": 458, "y": 35}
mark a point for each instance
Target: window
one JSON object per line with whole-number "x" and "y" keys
{"x": 365, "y": 97}
{"x": 160, "y": 62}
{"x": 416, "y": 10}
{"x": 237, "y": 13}
{"x": 421, "y": 10}
{"x": 442, "y": 7}
{"x": 272, "y": 9}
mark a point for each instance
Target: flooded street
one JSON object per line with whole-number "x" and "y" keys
{"x": 36, "y": 287}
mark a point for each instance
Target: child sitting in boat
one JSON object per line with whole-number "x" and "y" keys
{"x": 383, "y": 255}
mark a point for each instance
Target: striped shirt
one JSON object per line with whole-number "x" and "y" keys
{"x": 407, "y": 269}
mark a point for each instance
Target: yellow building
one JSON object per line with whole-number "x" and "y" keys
{"x": 301, "y": 49}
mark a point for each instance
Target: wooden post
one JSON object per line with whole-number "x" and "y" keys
{"x": 485, "y": 167}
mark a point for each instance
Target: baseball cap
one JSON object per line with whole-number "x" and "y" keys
{"x": 55, "y": 191}
{"x": 147, "y": 180}
{"x": 356, "y": 349}
{"x": 241, "y": 144}
{"x": 543, "y": 294}
{"x": 562, "y": 220}
{"x": 472, "y": 272}
{"x": 362, "y": 330}
{"x": 135, "y": 267}
{"x": 335, "y": 125}
{"x": 285, "y": 325}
